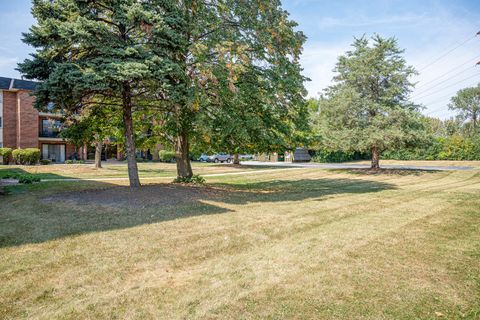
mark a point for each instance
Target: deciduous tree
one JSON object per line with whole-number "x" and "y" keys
{"x": 215, "y": 45}
{"x": 467, "y": 103}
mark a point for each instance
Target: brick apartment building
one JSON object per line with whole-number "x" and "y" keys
{"x": 22, "y": 126}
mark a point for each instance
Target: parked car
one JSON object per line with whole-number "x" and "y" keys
{"x": 203, "y": 158}
{"x": 246, "y": 157}
{"x": 220, "y": 157}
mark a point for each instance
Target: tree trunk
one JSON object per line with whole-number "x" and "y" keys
{"x": 129, "y": 139}
{"x": 474, "y": 118}
{"x": 98, "y": 153}
{"x": 236, "y": 158}
{"x": 375, "y": 159}
{"x": 85, "y": 152}
{"x": 184, "y": 168}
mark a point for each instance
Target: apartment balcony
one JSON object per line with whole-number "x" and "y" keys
{"x": 49, "y": 134}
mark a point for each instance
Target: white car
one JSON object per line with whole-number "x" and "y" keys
{"x": 220, "y": 157}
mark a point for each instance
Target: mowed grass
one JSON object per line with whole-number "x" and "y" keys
{"x": 293, "y": 244}
{"x": 115, "y": 169}
{"x": 433, "y": 163}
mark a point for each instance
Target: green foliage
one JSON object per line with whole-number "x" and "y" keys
{"x": 337, "y": 156}
{"x": 45, "y": 161}
{"x": 74, "y": 161}
{"x": 28, "y": 156}
{"x": 455, "y": 147}
{"x": 367, "y": 109}
{"x": 166, "y": 156}
{"x": 25, "y": 178}
{"x": 6, "y": 153}
{"x": 195, "y": 179}
{"x": 28, "y": 179}
{"x": 467, "y": 103}
{"x": 102, "y": 54}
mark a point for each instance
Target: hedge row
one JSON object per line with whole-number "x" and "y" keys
{"x": 28, "y": 156}
{"x": 452, "y": 148}
{"x": 337, "y": 156}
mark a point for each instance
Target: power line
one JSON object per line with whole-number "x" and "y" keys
{"x": 434, "y": 92}
{"x": 448, "y": 52}
{"x": 434, "y": 111}
{"x": 440, "y": 99}
{"x": 442, "y": 107}
{"x": 475, "y": 59}
{"x": 443, "y": 81}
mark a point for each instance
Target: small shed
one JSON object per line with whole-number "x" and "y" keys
{"x": 301, "y": 155}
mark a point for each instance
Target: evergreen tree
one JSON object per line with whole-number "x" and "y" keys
{"x": 367, "y": 109}
{"x": 98, "y": 53}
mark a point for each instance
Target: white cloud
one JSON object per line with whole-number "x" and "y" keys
{"x": 425, "y": 39}
{"x": 363, "y": 21}
{"x": 318, "y": 62}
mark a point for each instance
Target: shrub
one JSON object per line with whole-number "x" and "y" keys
{"x": 195, "y": 179}
{"x": 80, "y": 161}
{"x": 337, "y": 156}
{"x": 6, "y": 154}
{"x": 45, "y": 161}
{"x": 28, "y": 178}
{"x": 25, "y": 178}
{"x": 68, "y": 161}
{"x": 28, "y": 156}
{"x": 166, "y": 156}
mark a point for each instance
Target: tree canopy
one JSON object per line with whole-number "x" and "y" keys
{"x": 181, "y": 65}
{"x": 100, "y": 53}
{"x": 467, "y": 104}
{"x": 367, "y": 108}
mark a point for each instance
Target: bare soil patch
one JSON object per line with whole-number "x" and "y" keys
{"x": 148, "y": 195}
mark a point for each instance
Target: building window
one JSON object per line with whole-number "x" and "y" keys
{"x": 1, "y": 122}
{"x": 53, "y": 152}
{"x": 50, "y": 128}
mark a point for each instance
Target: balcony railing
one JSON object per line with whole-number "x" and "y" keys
{"x": 49, "y": 134}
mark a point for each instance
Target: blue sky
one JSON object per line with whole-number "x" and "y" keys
{"x": 426, "y": 29}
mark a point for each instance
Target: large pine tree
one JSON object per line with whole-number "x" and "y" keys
{"x": 98, "y": 53}
{"x": 368, "y": 108}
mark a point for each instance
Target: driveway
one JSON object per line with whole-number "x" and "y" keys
{"x": 352, "y": 166}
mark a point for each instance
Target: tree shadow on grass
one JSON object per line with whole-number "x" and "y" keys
{"x": 58, "y": 209}
{"x": 299, "y": 190}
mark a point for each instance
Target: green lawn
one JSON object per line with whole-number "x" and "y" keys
{"x": 116, "y": 169}
{"x": 302, "y": 244}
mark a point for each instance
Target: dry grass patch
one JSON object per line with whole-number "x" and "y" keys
{"x": 303, "y": 244}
